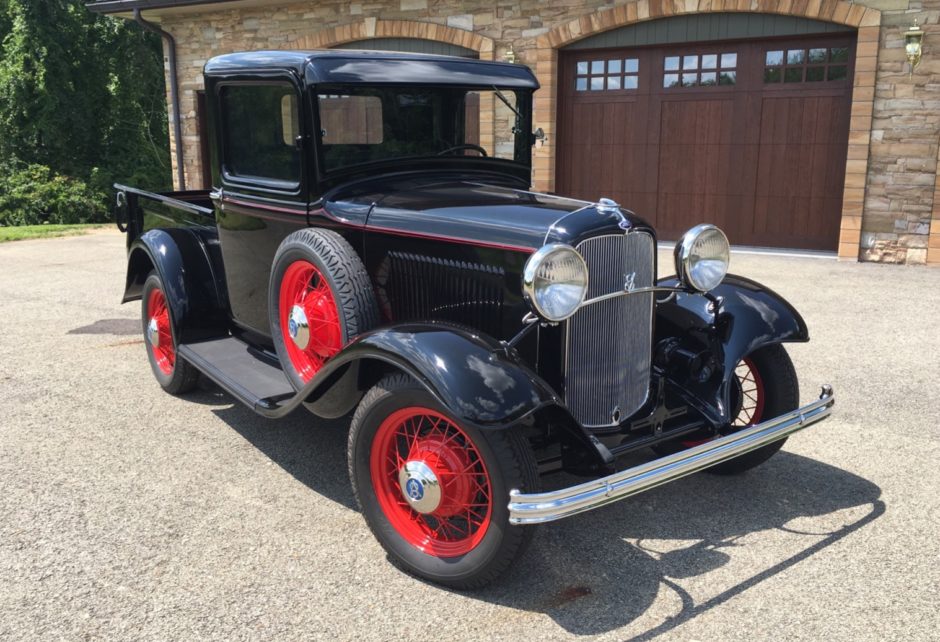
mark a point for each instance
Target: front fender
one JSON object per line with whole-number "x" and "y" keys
{"x": 480, "y": 380}
{"x": 182, "y": 261}
{"x": 477, "y": 378}
{"x": 749, "y": 316}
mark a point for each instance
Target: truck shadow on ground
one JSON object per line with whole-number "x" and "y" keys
{"x": 117, "y": 327}
{"x": 602, "y": 570}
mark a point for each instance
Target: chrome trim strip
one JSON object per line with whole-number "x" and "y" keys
{"x": 614, "y": 295}
{"x": 537, "y": 508}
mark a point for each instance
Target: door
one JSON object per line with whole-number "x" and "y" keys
{"x": 749, "y": 135}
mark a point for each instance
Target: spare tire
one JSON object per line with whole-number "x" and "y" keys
{"x": 319, "y": 299}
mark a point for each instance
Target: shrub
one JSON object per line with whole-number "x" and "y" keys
{"x": 35, "y": 194}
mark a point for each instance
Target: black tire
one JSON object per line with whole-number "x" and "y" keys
{"x": 346, "y": 276}
{"x": 781, "y": 394}
{"x": 181, "y": 377}
{"x": 509, "y": 463}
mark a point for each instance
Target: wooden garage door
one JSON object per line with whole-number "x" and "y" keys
{"x": 749, "y": 135}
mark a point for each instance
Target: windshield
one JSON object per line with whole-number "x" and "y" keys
{"x": 361, "y": 125}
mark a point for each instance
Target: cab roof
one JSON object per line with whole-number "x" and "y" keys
{"x": 346, "y": 66}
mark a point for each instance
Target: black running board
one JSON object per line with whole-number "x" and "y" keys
{"x": 240, "y": 371}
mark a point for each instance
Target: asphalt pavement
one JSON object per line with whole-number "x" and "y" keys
{"x": 128, "y": 514}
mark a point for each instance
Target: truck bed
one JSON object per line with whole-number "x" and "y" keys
{"x": 148, "y": 210}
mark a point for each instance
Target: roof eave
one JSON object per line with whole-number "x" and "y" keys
{"x": 124, "y": 6}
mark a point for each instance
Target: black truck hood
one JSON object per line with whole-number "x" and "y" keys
{"x": 474, "y": 210}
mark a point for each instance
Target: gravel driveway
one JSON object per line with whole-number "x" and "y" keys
{"x": 128, "y": 514}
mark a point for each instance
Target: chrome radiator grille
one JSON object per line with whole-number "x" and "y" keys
{"x": 609, "y": 344}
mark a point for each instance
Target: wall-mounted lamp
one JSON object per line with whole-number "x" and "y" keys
{"x": 510, "y": 55}
{"x": 913, "y": 38}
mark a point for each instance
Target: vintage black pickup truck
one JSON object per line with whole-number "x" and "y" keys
{"x": 371, "y": 246}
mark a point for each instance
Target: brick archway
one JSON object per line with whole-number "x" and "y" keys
{"x": 378, "y": 28}
{"x": 866, "y": 20}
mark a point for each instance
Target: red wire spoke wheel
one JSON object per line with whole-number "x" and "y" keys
{"x": 765, "y": 386}
{"x": 159, "y": 334}
{"x": 431, "y": 482}
{"x": 310, "y": 321}
{"x": 174, "y": 374}
{"x": 320, "y": 298}
{"x": 435, "y": 491}
{"x": 752, "y": 393}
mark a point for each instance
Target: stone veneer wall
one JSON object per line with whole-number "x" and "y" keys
{"x": 892, "y": 191}
{"x": 902, "y": 195}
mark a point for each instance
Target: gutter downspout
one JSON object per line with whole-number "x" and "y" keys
{"x": 174, "y": 94}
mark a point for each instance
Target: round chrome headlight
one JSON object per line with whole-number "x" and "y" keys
{"x": 702, "y": 257}
{"x": 555, "y": 281}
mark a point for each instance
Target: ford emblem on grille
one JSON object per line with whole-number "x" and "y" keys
{"x": 629, "y": 282}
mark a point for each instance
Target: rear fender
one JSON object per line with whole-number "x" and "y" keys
{"x": 749, "y": 316}
{"x": 192, "y": 289}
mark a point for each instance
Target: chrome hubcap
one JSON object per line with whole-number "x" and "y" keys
{"x": 420, "y": 486}
{"x": 298, "y": 328}
{"x": 153, "y": 332}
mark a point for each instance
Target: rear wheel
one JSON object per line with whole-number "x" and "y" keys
{"x": 175, "y": 375}
{"x": 435, "y": 492}
{"x": 765, "y": 387}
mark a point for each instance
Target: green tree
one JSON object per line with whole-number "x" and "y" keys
{"x": 81, "y": 94}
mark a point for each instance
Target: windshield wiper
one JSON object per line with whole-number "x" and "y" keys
{"x": 506, "y": 102}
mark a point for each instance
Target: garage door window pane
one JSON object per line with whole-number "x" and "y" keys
{"x": 772, "y": 74}
{"x": 815, "y": 74}
{"x": 817, "y": 55}
{"x": 606, "y": 75}
{"x": 796, "y": 57}
{"x": 689, "y": 65}
{"x": 839, "y": 54}
{"x": 837, "y": 72}
{"x": 793, "y": 74}
{"x": 806, "y": 65}
{"x": 261, "y": 124}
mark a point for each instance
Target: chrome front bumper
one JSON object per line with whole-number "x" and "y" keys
{"x": 537, "y": 508}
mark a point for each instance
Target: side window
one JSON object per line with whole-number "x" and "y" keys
{"x": 260, "y": 127}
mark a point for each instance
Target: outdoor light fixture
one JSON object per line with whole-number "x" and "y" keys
{"x": 510, "y": 55}
{"x": 912, "y": 45}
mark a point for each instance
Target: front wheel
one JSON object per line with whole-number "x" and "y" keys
{"x": 765, "y": 386}
{"x": 435, "y": 493}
